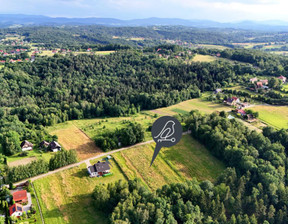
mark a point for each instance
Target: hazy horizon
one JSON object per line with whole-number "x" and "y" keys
{"x": 220, "y": 10}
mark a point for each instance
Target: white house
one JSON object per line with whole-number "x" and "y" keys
{"x": 26, "y": 146}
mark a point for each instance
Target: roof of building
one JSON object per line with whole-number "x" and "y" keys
{"x": 54, "y": 145}
{"x": 44, "y": 143}
{"x": 241, "y": 111}
{"x": 20, "y": 195}
{"x": 15, "y": 208}
{"x": 26, "y": 144}
{"x": 99, "y": 167}
{"x": 281, "y": 77}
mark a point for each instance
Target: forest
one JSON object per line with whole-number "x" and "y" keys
{"x": 253, "y": 188}
{"x": 69, "y": 36}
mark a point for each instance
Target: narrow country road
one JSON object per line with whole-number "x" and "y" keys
{"x": 87, "y": 161}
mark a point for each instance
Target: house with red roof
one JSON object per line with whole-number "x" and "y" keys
{"x": 259, "y": 84}
{"x": 241, "y": 112}
{"x": 16, "y": 210}
{"x": 20, "y": 196}
{"x": 89, "y": 49}
{"x": 282, "y": 78}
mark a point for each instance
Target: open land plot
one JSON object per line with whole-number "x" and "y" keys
{"x": 276, "y": 116}
{"x": 17, "y": 159}
{"x": 71, "y": 137}
{"x": 96, "y": 127}
{"x": 203, "y": 58}
{"x": 195, "y": 104}
{"x": 183, "y": 161}
{"x": 211, "y": 46}
{"x": 65, "y": 197}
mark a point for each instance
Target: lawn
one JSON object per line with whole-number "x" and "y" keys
{"x": 65, "y": 197}
{"x": 276, "y": 116}
{"x": 186, "y": 160}
{"x": 32, "y": 155}
{"x": 203, "y": 58}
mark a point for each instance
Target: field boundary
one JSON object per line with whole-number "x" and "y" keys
{"x": 39, "y": 207}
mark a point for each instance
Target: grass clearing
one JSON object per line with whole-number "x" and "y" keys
{"x": 276, "y": 116}
{"x": 203, "y": 58}
{"x": 65, "y": 197}
{"x": 71, "y": 137}
{"x": 20, "y": 160}
{"x": 185, "y": 107}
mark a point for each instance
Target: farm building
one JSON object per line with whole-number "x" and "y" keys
{"x": 99, "y": 169}
{"x": 55, "y": 146}
{"x": 16, "y": 210}
{"x": 20, "y": 196}
{"x": 25, "y": 146}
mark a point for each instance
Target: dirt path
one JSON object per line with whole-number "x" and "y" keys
{"x": 87, "y": 161}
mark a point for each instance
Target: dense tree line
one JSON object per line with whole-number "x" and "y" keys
{"x": 131, "y": 134}
{"x": 253, "y": 190}
{"x": 60, "y": 159}
{"x": 26, "y": 171}
{"x": 64, "y": 88}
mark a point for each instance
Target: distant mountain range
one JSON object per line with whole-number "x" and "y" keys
{"x": 12, "y": 20}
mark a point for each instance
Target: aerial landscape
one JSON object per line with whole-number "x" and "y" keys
{"x": 84, "y": 83}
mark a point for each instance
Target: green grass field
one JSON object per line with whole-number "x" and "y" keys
{"x": 203, "y": 58}
{"x": 185, "y": 107}
{"x": 211, "y": 46}
{"x": 276, "y": 116}
{"x": 65, "y": 197}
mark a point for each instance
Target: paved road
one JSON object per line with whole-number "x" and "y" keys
{"x": 85, "y": 161}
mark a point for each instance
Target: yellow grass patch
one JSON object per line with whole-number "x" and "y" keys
{"x": 72, "y": 137}
{"x": 203, "y": 58}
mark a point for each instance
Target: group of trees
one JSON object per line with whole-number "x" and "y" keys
{"x": 61, "y": 158}
{"x": 131, "y": 134}
{"x": 254, "y": 190}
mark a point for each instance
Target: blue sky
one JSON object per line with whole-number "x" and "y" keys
{"x": 218, "y": 10}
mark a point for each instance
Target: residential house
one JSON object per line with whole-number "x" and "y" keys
{"x": 264, "y": 82}
{"x": 232, "y": 101}
{"x": 54, "y": 146}
{"x": 259, "y": 85}
{"x": 241, "y": 112}
{"x": 217, "y": 91}
{"x": 282, "y": 78}
{"x": 20, "y": 196}
{"x": 99, "y": 169}
{"x": 44, "y": 144}
{"x": 25, "y": 146}
{"x": 16, "y": 210}
{"x": 243, "y": 105}
{"x": 255, "y": 79}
